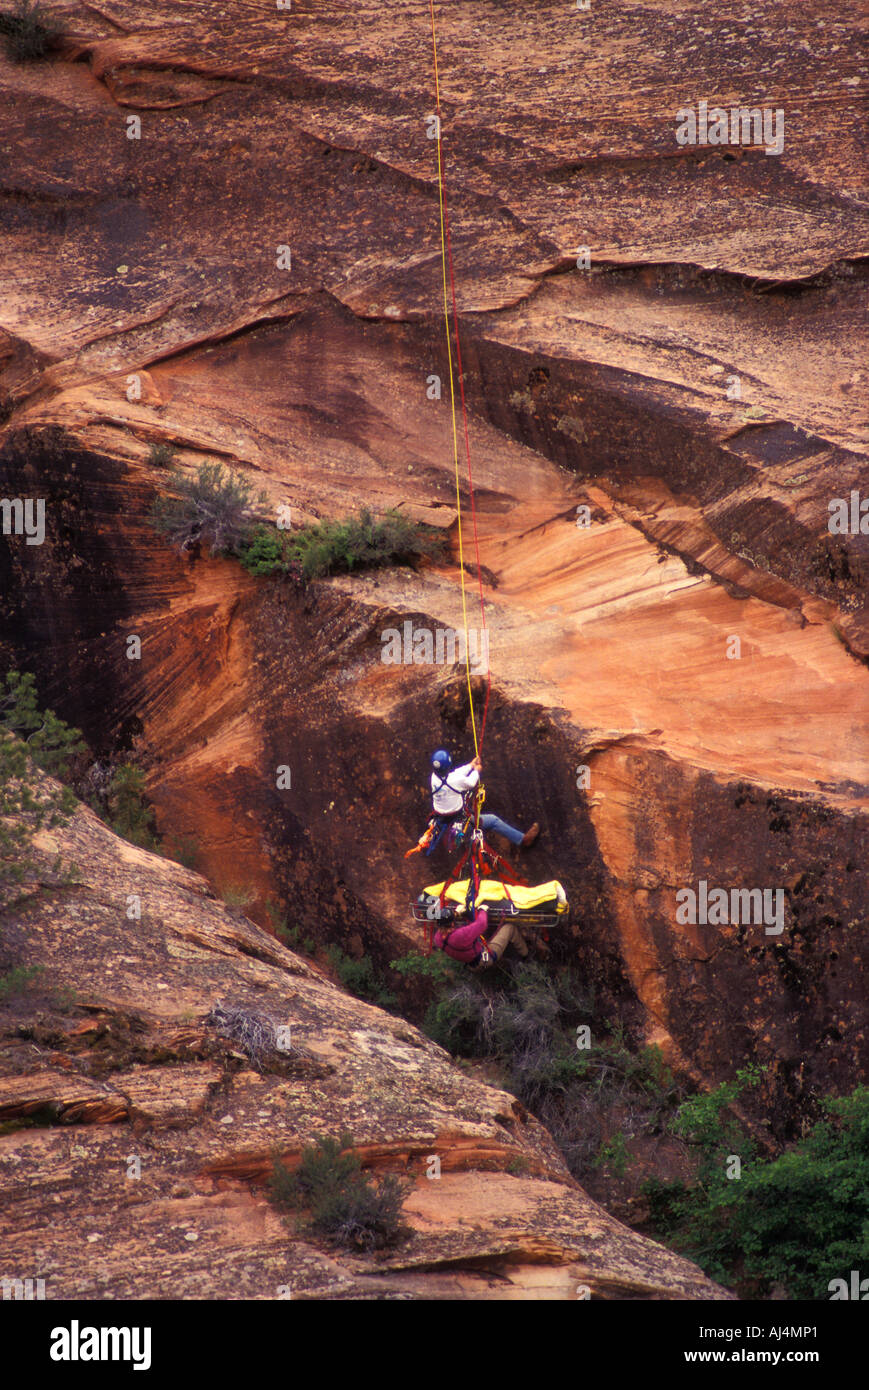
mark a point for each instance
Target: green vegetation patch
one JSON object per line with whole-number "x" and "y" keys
{"x": 130, "y": 815}
{"x": 215, "y": 507}
{"x": 30, "y": 738}
{"x": 530, "y": 1019}
{"x": 330, "y": 547}
{"x": 346, "y": 1206}
{"x": 360, "y": 977}
{"x": 793, "y": 1223}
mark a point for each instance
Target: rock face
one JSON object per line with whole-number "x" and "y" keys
{"x": 700, "y": 646}
{"x": 151, "y": 1134}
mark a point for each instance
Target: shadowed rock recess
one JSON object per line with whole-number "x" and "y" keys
{"x": 700, "y": 646}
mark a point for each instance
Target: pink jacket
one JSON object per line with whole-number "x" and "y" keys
{"x": 465, "y": 943}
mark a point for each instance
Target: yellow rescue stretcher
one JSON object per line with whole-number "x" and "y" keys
{"x": 544, "y": 904}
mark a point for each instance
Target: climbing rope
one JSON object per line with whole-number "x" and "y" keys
{"x": 450, "y": 300}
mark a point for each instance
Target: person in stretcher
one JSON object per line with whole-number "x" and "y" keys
{"x": 496, "y": 923}
{"x": 477, "y": 943}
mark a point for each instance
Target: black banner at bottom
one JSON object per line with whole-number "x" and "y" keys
{"x": 84, "y": 1340}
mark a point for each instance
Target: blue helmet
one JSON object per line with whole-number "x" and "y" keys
{"x": 441, "y": 761}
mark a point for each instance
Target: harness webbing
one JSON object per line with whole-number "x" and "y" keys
{"x": 445, "y": 782}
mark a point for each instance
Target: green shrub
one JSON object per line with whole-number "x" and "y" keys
{"x": 796, "y": 1221}
{"x": 803, "y": 1219}
{"x": 213, "y": 508}
{"x": 527, "y": 1007}
{"x": 360, "y": 977}
{"x": 704, "y": 1120}
{"x": 52, "y": 744}
{"x": 29, "y": 33}
{"x": 263, "y": 552}
{"x": 130, "y": 815}
{"x": 525, "y": 1018}
{"x": 518, "y": 1167}
{"x": 280, "y": 925}
{"x": 328, "y": 547}
{"x": 613, "y": 1156}
{"x": 438, "y": 967}
{"x": 19, "y": 979}
{"x": 454, "y": 1021}
{"x": 161, "y": 455}
{"x": 345, "y": 1205}
{"x": 365, "y": 1217}
{"x": 29, "y": 738}
{"x": 266, "y": 551}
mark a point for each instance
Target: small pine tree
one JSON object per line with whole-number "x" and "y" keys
{"x": 50, "y": 742}
{"x": 131, "y": 816}
{"x": 29, "y": 737}
{"x": 360, "y": 977}
{"x": 263, "y": 553}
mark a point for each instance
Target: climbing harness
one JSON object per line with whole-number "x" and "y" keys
{"x": 446, "y": 825}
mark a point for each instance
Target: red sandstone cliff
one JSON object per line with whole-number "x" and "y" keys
{"x": 154, "y": 260}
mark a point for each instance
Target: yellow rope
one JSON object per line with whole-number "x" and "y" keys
{"x": 452, "y": 383}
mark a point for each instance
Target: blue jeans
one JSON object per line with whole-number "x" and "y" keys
{"x": 495, "y": 823}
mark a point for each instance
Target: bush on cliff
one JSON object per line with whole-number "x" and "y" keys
{"x": 360, "y": 977}
{"x": 48, "y": 741}
{"x": 161, "y": 455}
{"x": 345, "y": 1205}
{"x": 215, "y": 507}
{"x": 212, "y": 508}
{"x": 129, "y": 812}
{"x": 28, "y": 32}
{"x": 329, "y": 547}
{"x": 438, "y": 967}
{"x": 796, "y": 1222}
{"x": 526, "y": 1019}
{"x": 266, "y": 552}
{"x": 29, "y": 738}
{"x": 19, "y": 979}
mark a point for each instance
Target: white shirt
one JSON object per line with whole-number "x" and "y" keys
{"x": 447, "y": 793}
